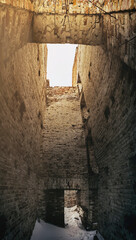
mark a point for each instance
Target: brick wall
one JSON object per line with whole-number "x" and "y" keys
{"x": 82, "y": 6}
{"x": 25, "y": 4}
{"x": 113, "y": 33}
{"x": 15, "y": 30}
{"x": 70, "y": 198}
{"x": 64, "y": 163}
{"x": 49, "y": 28}
{"x": 22, "y": 105}
{"x": 73, "y": 7}
{"x": 109, "y": 90}
{"x": 22, "y": 98}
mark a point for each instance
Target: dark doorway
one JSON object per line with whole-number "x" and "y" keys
{"x": 55, "y": 207}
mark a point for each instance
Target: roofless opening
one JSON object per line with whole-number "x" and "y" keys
{"x": 59, "y": 64}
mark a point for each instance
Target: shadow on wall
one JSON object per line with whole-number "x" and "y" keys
{"x": 3, "y": 224}
{"x": 130, "y": 224}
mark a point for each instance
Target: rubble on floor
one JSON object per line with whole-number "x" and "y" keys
{"x": 73, "y": 230}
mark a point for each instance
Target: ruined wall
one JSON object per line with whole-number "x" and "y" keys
{"x": 64, "y": 163}
{"x": 72, "y": 6}
{"x": 15, "y": 30}
{"x": 82, "y": 6}
{"x": 70, "y": 197}
{"x": 49, "y": 28}
{"x": 22, "y": 105}
{"x": 116, "y": 32}
{"x": 109, "y": 90}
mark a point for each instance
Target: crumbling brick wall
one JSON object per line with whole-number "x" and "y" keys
{"x": 64, "y": 150}
{"x": 109, "y": 89}
{"x": 22, "y": 98}
{"x": 70, "y": 197}
{"x": 22, "y": 106}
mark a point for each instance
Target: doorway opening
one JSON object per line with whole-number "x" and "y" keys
{"x": 72, "y": 208}
{"x": 55, "y": 207}
{"x": 61, "y": 204}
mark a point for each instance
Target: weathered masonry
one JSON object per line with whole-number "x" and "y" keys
{"x": 63, "y": 139}
{"x": 57, "y": 140}
{"x": 108, "y": 105}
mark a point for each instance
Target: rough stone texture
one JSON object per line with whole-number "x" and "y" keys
{"x": 15, "y": 30}
{"x": 117, "y": 33}
{"x": 82, "y": 6}
{"x": 72, "y": 6}
{"x": 22, "y": 104}
{"x": 70, "y": 198}
{"x": 113, "y": 33}
{"x": 64, "y": 164}
{"x": 67, "y": 29}
{"x": 21, "y": 96}
{"x": 110, "y": 31}
{"x": 109, "y": 90}
{"x": 25, "y": 4}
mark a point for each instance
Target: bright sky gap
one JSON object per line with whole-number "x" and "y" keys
{"x": 59, "y": 64}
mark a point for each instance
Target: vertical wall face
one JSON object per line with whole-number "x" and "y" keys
{"x": 109, "y": 88}
{"x": 22, "y": 106}
{"x": 25, "y": 4}
{"x": 74, "y": 70}
{"x": 71, "y": 198}
{"x": 15, "y": 30}
{"x": 64, "y": 163}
